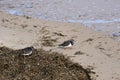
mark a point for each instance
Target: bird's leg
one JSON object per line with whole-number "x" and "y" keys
{"x": 68, "y": 48}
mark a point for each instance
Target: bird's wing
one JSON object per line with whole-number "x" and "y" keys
{"x": 66, "y": 43}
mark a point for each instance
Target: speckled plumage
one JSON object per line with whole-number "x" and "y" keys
{"x": 67, "y": 43}
{"x": 27, "y": 51}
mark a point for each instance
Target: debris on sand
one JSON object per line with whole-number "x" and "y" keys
{"x": 79, "y": 53}
{"x": 41, "y": 65}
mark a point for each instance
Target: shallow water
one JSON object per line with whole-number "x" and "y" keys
{"x": 98, "y": 21}
{"x": 103, "y": 15}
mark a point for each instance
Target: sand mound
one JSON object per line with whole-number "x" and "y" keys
{"x": 41, "y": 65}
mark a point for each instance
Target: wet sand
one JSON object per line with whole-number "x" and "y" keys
{"x": 101, "y": 52}
{"x": 102, "y": 15}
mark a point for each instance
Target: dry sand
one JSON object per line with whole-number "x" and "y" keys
{"x": 100, "y": 52}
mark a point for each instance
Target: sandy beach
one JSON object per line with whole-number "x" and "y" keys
{"x": 102, "y": 15}
{"x": 101, "y": 52}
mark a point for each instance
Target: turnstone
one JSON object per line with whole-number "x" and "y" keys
{"x": 27, "y": 51}
{"x": 67, "y": 44}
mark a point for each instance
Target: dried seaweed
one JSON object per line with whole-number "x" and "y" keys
{"x": 41, "y": 65}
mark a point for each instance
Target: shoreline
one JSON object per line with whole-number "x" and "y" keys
{"x": 101, "y": 15}
{"x": 100, "y": 51}
{"x": 99, "y": 25}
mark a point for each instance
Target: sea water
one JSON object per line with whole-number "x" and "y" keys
{"x": 100, "y": 14}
